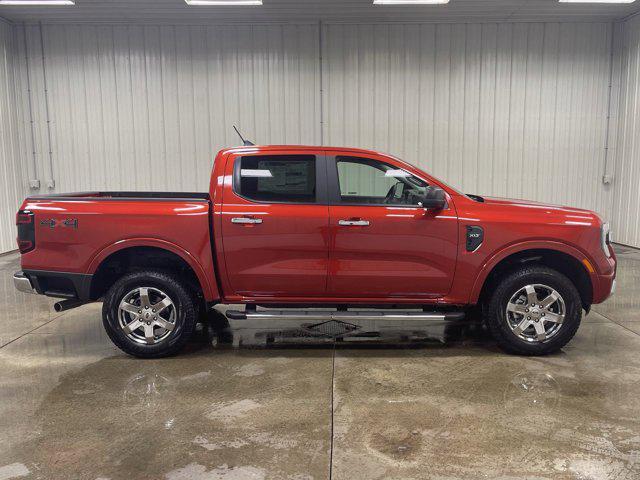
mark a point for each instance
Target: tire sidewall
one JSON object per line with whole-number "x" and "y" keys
{"x": 185, "y": 315}
{"x": 534, "y": 275}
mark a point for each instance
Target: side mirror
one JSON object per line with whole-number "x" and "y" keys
{"x": 434, "y": 199}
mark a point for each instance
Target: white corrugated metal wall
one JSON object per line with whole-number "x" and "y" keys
{"x": 147, "y": 107}
{"x": 11, "y": 182}
{"x": 516, "y": 109}
{"x": 489, "y": 107}
{"x": 625, "y": 214}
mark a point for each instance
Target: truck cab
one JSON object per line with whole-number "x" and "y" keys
{"x": 332, "y": 226}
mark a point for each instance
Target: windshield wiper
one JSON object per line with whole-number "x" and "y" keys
{"x": 476, "y": 198}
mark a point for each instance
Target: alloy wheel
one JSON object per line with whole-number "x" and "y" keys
{"x": 535, "y": 313}
{"x": 147, "y": 315}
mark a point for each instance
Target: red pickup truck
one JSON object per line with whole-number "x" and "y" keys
{"x": 339, "y": 229}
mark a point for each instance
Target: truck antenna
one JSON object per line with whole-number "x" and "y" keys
{"x": 246, "y": 143}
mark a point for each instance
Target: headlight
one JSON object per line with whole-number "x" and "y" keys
{"x": 605, "y": 237}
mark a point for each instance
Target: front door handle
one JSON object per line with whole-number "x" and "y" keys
{"x": 354, "y": 223}
{"x": 246, "y": 220}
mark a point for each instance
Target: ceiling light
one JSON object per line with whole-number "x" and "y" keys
{"x": 37, "y": 2}
{"x": 223, "y": 2}
{"x": 409, "y": 2}
{"x": 596, "y": 1}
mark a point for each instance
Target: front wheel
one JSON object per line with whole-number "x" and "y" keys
{"x": 534, "y": 311}
{"x": 149, "y": 314}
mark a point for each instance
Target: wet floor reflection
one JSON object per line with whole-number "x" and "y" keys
{"x": 464, "y": 412}
{"x": 101, "y": 421}
{"x": 292, "y": 332}
{"x": 452, "y": 408}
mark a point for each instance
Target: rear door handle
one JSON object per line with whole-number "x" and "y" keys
{"x": 246, "y": 220}
{"x": 354, "y": 223}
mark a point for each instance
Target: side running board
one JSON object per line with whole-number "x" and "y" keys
{"x": 344, "y": 316}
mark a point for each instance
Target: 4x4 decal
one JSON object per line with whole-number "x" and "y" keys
{"x": 68, "y": 223}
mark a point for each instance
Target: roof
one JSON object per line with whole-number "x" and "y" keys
{"x": 310, "y": 148}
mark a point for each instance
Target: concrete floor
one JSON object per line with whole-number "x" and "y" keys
{"x": 73, "y": 407}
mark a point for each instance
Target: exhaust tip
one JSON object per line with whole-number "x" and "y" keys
{"x": 67, "y": 305}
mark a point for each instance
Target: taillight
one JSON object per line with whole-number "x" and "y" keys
{"x": 26, "y": 231}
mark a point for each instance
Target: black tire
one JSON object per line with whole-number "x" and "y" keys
{"x": 186, "y": 313}
{"x": 497, "y": 321}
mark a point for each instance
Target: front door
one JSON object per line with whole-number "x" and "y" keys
{"x": 275, "y": 225}
{"x": 384, "y": 245}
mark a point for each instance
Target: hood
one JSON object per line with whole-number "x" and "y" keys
{"x": 579, "y": 215}
{"x": 530, "y": 204}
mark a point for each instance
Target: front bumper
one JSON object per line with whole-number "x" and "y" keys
{"x": 604, "y": 287}
{"x": 22, "y": 283}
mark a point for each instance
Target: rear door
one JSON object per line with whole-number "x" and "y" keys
{"x": 384, "y": 245}
{"x": 275, "y": 225}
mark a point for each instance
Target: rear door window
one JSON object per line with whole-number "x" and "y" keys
{"x": 276, "y": 178}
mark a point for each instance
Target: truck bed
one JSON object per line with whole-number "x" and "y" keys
{"x": 123, "y": 196}
{"x": 76, "y": 232}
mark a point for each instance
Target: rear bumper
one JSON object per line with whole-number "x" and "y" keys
{"x": 22, "y": 283}
{"x": 54, "y": 284}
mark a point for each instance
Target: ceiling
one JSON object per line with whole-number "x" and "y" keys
{"x": 176, "y": 11}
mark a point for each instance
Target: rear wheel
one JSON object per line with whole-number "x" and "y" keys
{"x": 149, "y": 314}
{"x": 534, "y": 311}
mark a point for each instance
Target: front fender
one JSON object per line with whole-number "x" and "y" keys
{"x": 499, "y": 256}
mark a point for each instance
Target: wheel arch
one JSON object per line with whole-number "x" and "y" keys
{"x": 132, "y": 254}
{"x": 563, "y": 258}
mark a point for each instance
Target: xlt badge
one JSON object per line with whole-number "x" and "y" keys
{"x": 475, "y": 237}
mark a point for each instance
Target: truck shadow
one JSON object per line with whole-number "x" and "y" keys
{"x": 451, "y": 338}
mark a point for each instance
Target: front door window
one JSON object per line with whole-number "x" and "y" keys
{"x": 365, "y": 181}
